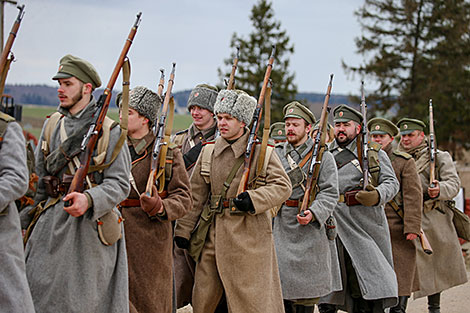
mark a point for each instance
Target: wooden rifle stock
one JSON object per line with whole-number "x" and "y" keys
{"x": 424, "y": 242}
{"x": 161, "y": 82}
{"x": 317, "y": 155}
{"x": 432, "y": 147}
{"x": 231, "y": 81}
{"x": 364, "y": 141}
{"x": 4, "y": 60}
{"x": 91, "y": 138}
{"x": 255, "y": 126}
{"x": 160, "y": 134}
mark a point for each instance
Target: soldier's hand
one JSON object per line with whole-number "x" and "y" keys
{"x": 304, "y": 220}
{"x": 182, "y": 243}
{"x": 368, "y": 197}
{"x": 151, "y": 205}
{"x": 78, "y": 204}
{"x": 411, "y": 236}
{"x": 434, "y": 191}
{"x": 243, "y": 202}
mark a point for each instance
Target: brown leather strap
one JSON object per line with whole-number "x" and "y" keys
{"x": 306, "y": 158}
{"x": 292, "y": 203}
{"x": 136, "y": 202}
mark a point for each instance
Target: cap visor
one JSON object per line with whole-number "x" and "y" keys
{"x": 378, "y": 132}
{"x": 406, "y": 132}
{"x": 61, "y": 75}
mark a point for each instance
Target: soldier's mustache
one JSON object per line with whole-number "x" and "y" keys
{"x": 339, "y": 133}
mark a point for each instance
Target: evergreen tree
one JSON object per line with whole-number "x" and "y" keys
{"x": 254, "y": 54}
{"x": 416, "y": 50}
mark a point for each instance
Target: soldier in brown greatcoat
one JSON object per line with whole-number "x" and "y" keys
{"x": 201, "y": 107}
{"x": 405, "y": 228}
{"x": 149, "y": 234}
{"x": 237, "y": 253}
{"x": 445, "y": 268}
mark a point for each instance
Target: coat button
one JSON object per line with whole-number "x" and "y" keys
{"x": 233, "y": 208}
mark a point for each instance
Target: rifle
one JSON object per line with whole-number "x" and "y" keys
{"x": 432, "y": 147}
{"x": 161, "y": 82}
{"x": 231, "y": 81}
{"x": 90, "y": 139}
{"x": 255, "y": 126}
{"x": 317, "y": 155}
{"x": 423, "y": 240}
{"x": 160, "y": 138}
{"x": 5, "y": 61}
{"x": 365, "y": 140}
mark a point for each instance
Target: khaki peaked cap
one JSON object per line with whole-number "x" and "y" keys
{"x": 277, "y": 131}
{"x": 382, "y": 126}
{"x": 72, "y": 66}
{"x": 408, "y": 125}
{"x": 297, "y": 110}
{"x": 344, "y": 113}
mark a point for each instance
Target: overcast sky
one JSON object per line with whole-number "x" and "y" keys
{"x": 193, "y": 33}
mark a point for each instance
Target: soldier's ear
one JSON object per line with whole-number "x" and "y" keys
{"x": 87, "y": 88}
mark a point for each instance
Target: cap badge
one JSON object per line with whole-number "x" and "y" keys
{"x": 341, "y": 114}
{"x": 377, "y": 127}
{"x": 196, "y": 94}
{"x": 405, "y": 126}
{"x": 291, "y": 110}
{"x": 279, "y": 132}
{"x": 60, "y": 67}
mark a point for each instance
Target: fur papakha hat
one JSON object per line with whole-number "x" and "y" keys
{"x": 203, "y": 96}
{"x": 237, "y": 103}
{"x": 146, "y": 102}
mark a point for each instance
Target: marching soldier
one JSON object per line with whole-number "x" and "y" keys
{"x": 403, "y": 212}
{"x": 203, "y": 129}
{"x": 233, "y": 242}
{"x": 369, "y": 281}
{"x": 445, "y": 268}
{"x": 14, "y": 176}
{"x": 149, "y": 233}
{"x": 307, "y": 257}
{"x": 75, "y": 253}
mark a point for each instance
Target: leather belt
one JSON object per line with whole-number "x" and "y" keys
{"x": 128, "y": 203}
{"x": 292, "y": 203}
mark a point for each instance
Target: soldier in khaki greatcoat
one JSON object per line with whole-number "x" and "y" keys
{"x": 149, "y": 232}
{"x": 405, "y": 225}
{"x": 15, "y": 295}
{"x": 445, "y": 268}
{"x": 237, "y": 254}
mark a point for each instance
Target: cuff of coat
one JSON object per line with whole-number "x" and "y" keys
{"x": 90, "y": 200}
{"x": 313, "y": 216}
{"x": 158, "y": 205}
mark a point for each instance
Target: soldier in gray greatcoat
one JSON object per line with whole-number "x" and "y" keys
{"x": 369, "y": 281}
{"x": 14, "y": 291}
{"x": 445, "y": 268}
{"x": 75, "y": 261}
{"x": 307, "y": 257}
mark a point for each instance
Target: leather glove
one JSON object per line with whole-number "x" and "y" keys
{"x": 182, "y": 243}
{"x": 368, "y": 197}
{"x": 151, "y": 205}
{"x": 243, "y": 202}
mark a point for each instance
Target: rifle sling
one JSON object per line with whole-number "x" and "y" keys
{"x": 163, "y": 152}
{"x": 396, "y": 208}
{"x": 267, "y": 123}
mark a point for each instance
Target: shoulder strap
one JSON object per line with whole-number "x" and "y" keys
{"x": 4, "y": 120}
{"x": 179, "y": 137}
{"x": 344, "y": 157}
{"x": 402, "y": 154}
{"x": 206, "y": 158}
{"x": 48, "y": 130}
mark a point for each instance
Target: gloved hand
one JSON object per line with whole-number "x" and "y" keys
{"x": 151, "y": 205}
{"x": 243, "y": 202}
{"x": 368, "y": 197}
{"x": 182, "y": 243}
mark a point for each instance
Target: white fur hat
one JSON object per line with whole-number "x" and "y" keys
{"x": 237, "y": 103}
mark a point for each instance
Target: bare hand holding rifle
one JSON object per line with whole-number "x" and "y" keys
{"x": 254, "y": 127}
{"x": 90, "y": 139}
{"x": 160, "y": 138}
{"x": 315, "y": 160}
{"x": 5, "y": 60}
{"x": 433, "y": 189}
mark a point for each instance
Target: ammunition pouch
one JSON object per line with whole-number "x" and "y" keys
{"x": 110, "y": 227}
{"x": 55, "y": 187}
{"x": 296, "y": 177}
{"x": 191, "y": 156}
{"x": 350, "y": 197}
{"x": 330, "y": 227}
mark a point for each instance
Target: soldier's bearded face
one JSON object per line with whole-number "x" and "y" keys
{"x": 229, "y": 127}
{"x": 202, "y": 118}
{"x": 345, "y": 132}
{"x": 412, "y": 140}
{"x": 70, "y": 92}
{"x": 382, "y": 139}
{"x": 297, "y": 130}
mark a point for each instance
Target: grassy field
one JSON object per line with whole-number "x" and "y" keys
{"x": 34, "y": 116}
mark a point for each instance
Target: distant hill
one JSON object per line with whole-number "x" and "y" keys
{"x": 47, "y": 95}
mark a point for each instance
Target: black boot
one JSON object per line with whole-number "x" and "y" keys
{"x": 401, "y": 306}
{"x": 327, "y": 308}
{"x": 289, "y": 306}
{"x": 434, "y": 303}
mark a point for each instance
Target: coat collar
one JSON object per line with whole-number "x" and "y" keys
{"x": 86, "y": 111}
{"x": 238, "y": 147}
{"x": 202, "y": 134}
{"x": 300, "y": 151}
{"x": 140, "y": 145}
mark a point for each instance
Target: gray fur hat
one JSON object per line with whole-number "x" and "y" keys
{"x": 237, "y": 103}
{"x": 146, "y": 102}
{"x": 203, "y": 96}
